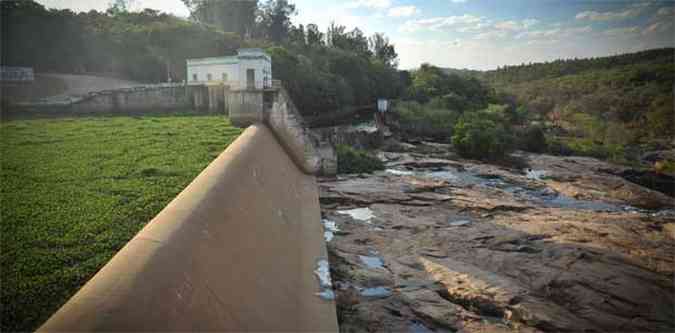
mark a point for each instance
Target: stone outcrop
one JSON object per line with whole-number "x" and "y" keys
{"x": 472, "y": 247}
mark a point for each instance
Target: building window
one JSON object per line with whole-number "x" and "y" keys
{"x": 224, "y": 77}
{"x": 209, "y": 77}
{"x": 194, "y": 77}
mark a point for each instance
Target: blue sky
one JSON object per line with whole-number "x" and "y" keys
{"x": 481, "y": 34}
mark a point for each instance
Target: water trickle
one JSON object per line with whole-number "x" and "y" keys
{"x": 360, "y": 214}
{"x": 330, "y": 228}
{"x": 457, "y": 177}
{"x": 327, "y": 294}
{"x": 376, "y": 292}
{"x": 372, "y": 262}
{"x": 460, "y": 223}
{"x": 535, "y": 174}
{"x": 417, "y": 327}
{"x": 399, "y": 172}
{"x": 323, "y": 273}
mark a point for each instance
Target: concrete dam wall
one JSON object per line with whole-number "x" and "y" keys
{"x": 240, "y": 249}
{"x": 153, "y": 98}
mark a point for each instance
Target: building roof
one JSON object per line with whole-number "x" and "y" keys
{"x": 254, "y": 53}
{"x": 226, "y": 60}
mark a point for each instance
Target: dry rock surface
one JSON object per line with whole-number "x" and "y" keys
{"x": 441, "y": 244}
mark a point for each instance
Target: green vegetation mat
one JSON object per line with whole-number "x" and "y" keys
{"x": 74, "y": 191}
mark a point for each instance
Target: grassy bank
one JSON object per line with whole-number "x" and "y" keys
{"x": 74, "y": 191}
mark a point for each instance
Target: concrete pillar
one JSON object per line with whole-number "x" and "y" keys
{"x": 246, "y": 107}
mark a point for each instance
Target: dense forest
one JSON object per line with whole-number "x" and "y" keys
{"x": 610, "y": 107}
{"x": 600, "y": 105}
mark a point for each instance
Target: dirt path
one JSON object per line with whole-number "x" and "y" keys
{"x": 450, "y": 245}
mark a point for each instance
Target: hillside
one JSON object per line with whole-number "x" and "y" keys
{"x": 563, "y": 67}
{"x": 601, "y": 104}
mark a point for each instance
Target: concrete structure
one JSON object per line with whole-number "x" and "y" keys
{"x": 240, "y": 249}
{"x": 249, "y": 69}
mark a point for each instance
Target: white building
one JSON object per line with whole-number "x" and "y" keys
{"x": 249, "y": 69}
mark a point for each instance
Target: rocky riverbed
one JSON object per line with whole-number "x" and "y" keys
{"x": 437, "y": 243}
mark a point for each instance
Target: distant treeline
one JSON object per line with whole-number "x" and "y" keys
{"x": 146, "y": 46}
{"x": 609, "y": 107}
{"x": 625, "y": 99}
{"x": 323, "y": 71}
{"x": 558, "y": 68}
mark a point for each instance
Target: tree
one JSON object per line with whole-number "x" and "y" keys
{"x": 314, "y": 36}
{"x": 296, "y": 35}
{"x": 236, "y": 16}
{"x": 335, "y": 34}
{"x": 274, "y": 19}
{"x": 478, "y": 136}
{"x": 383, "y": 50}
{"x": 117, "y": 7}
{"x": 353, "y": 41}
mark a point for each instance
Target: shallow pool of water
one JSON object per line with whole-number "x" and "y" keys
{"x": 535, "y": 174}
{"x": 372, "y": 262}
{"x": 376, "y": 292}
{"x": 417, "y": 327}
{"x": 329, "y": 229}
{"x": 360, "y": 214}
{"x": 399, "y": 172}
{"x": 552, "y": 199}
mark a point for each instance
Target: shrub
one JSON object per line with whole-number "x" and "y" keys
{"x": 429, "y": 120}
{"x": 533, "y": 140}
{"x": 476, "y": 135}
{"x": 556, "y": 146}
{"x": 351, "y": 160}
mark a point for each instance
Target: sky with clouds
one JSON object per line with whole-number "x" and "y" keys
{"x": 481, "y": 34}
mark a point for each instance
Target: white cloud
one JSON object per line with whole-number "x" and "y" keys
{"x": 458, "y": 1}
{"x": 555, "y": 33}
{"x": 617, "y": 32}
{"x": 462, "y": 23}
{"x": 494, "y": 34}
{"x": 516, "y": 25}
{"x": 507, "y": 25}
{"x": 666, "y": 11}
{"x": 658, "y": 27}
{"x": 402, "y": 11}
{"x": 529, "y": 22}
{"x": 629, "y": 12}
{"x": 371, "y": 4}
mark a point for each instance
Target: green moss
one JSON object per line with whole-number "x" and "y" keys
{"x": 351, "y": 160}
{"x": 75, "y": 190}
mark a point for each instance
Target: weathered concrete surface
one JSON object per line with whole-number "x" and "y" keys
{"x": 275, "y": 108}
{"x": 157, "y": 98}
{"x": 237, "y": 250}
{"x": 84, "y": 84}
{"x": 245, "y": 107}
{"x": 364, "y": 136}
{"x": 464, "y": 246}
{"x": 287, "y": 124}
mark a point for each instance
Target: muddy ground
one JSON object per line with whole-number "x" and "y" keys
{"x": 436, "y": 243}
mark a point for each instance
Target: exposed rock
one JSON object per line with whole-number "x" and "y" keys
{"x": 669, "y": 230}
{"x": 521, "y": 264}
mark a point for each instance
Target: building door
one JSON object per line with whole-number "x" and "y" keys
{"x": 250, "y": 78}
